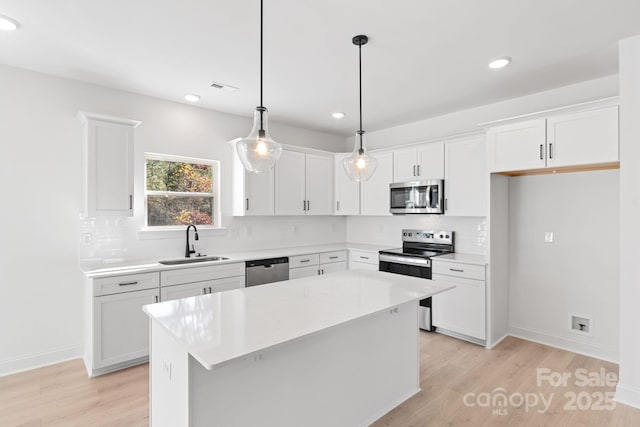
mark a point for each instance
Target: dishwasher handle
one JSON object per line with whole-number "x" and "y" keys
{"x": 267, "y": 263}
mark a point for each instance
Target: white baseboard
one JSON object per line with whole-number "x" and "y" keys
{"x": 628, "y": 395}
{"x": 39, "y": 360}
{"x": 489, "y": 345}
{"x": 565, "y": 344}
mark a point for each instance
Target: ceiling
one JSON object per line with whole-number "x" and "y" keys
{"x": 424, "y": 58}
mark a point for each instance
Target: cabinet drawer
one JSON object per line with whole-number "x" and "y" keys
{"x": 304, "y": 260}
{"x": 200, "y": 274}
{"x": 363, "y": 256}
{"x": 309, "y": 271}
{"x": 467, "y": 271}
{"x": 337, "y": 256}
{"x": 362, "y": 266}
{"x": 125, "y": 283}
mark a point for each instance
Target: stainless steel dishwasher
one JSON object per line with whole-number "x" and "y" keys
{"x": 262, "y": 271}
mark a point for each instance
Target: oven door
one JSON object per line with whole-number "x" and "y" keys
{"x": 407, "y": 266}
{"x": 417, "y": 197}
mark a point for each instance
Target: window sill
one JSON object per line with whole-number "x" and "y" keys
{"x": 148, "y": 233}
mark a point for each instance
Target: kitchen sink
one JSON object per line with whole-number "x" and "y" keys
{"x": 192, "y": 260}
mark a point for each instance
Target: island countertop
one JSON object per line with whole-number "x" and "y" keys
{"x": 221, "y": 327}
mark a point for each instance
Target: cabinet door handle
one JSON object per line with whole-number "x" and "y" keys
{"x": 210, "y": 289}
{"x": 418, "y": 167}
{"x": 338, "y": 205}
{"x": 308, "y": 205}
{"x": 319, "y": 272}
{"x": 127, "y": 283}
{"x": 446, "y": 204}
{"x": 156, "y": 298}
{"x": 322, "y": 270}
{"x": 551, "y": 151}
{"x": 541, "y": 152}
{"x": 130, "y": 201}
{"x": 414, "y": 170}
{"x": 247, "y": 203}
{"x": 204, "y": 291}
{"x": 457, "y": 270}
{"x": 304, "y": 205}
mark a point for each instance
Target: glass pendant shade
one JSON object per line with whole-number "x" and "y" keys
{"x": 258, "y": 152}
{"x": 360, "y": 165}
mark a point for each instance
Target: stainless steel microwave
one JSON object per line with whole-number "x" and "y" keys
{"x": 417, "y": 197}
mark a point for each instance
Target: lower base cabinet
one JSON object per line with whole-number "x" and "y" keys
{"x": 461, "y": 312}
{"x": 120, "y": 327}
{"x": 201, "y": 288}
{"x": 317, "y": 264}
{"x": 363, "y": 260}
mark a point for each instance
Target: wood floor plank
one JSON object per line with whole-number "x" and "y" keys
{"x": 63, "y": 396}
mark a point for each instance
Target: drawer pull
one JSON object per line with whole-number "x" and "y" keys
{"x": 457, "y": 270}
{"x": 204, "y": 291}
{"x": 333, "y": 257}
{"x": 364, "y": 257}
{"x": 304, "y": 260}
{"x": 127, "y": 283}
{"x": 210, "y": 289}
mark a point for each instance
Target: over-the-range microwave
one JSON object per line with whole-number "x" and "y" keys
{"x": 417, "y": 197}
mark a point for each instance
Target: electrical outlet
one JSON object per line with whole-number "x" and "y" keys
{"x": 167, "y": 368}
{"x": 548, "y": 236}
{"x": 87, "y": 239}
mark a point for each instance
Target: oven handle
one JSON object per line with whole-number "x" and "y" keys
{"x": 420, "y": 262}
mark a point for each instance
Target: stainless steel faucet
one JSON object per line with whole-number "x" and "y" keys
{"x": 190, "y": 250}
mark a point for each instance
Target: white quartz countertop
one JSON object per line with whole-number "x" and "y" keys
{"x": 144, "y": 266}
{"x": 221, "y": 327}
{"x": 459, "y": 258}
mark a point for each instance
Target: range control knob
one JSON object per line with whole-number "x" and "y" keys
{"x": 447, "y": 236}
{"x": 441, "y": 236}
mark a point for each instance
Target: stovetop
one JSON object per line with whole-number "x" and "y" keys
{"x": 417, "y": 253}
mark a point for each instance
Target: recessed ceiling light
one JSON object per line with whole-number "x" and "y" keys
{"x": 8, "y": 24}
{"x": 223, "y": 86}
{"x": 191, "y": 97}
{"x": 500, "y": 62}
{"x": 338, "y": 115}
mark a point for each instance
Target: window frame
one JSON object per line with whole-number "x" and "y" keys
{"x": 215, "y": 191}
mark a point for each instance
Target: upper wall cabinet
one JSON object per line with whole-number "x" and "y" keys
{"x": 108, "y": 165}
{"x": 253, "y": 193}
{"x": 425, "y": 161}
{"x": 466, "y": 177}
{"x": 375, "y": 191}
{"x": 346, "y": 191}
{"x": 304, "y": 184}
{"x": 575, "y": 138}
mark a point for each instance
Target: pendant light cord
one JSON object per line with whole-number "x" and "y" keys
{"x": 360, "y": 132}
{"x": 261, "y": 108}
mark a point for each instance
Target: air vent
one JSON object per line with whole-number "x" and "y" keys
{"x": 222, "y": 86}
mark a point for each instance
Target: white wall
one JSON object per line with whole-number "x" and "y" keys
{"x": 468, "y": 120}
{"x": 628, "y": 390}
{"x": 41, "y": 285}
{"x": 576, "y": 274}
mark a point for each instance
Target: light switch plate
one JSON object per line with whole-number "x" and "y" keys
{"x": 548, "y": 236}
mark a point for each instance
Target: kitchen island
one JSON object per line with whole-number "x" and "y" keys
{"x": 338, "y": 349}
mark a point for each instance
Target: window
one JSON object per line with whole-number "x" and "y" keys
{"x": 181, "y": 191}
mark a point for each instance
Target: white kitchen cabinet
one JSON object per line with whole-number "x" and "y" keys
{"x": 375, "y": 191}
{"x": 424, "y": 161}
{"x": 107, "y": 165}
{"x": 253, "y": 193}
{"x": 577, "y": 136}
{"x": 460, "y": 312}
{"x": 120, "y": 327}
{"x": 290, "y": 184}
{"x": 308, "y": 271}
{"x": 346, "y": 191}
{"x": 466, "y": 177}
{"x": 517, "y": 146}
{"x": 201, "y": 288}
{"x": 583, "y": 138}
{"x": 304, "y": 184}
{"x": 363, "y": 260}
{"x": 319, "y": 184}
{"x": 333, "y": 267}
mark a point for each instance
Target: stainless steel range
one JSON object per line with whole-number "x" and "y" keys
{"x": 414, "y": 259}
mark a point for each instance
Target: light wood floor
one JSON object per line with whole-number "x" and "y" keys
{"x": 62, "y": 395}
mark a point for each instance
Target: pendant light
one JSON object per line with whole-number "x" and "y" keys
{"x": 360, "y": 166}
{"x": 258, "y": 152}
